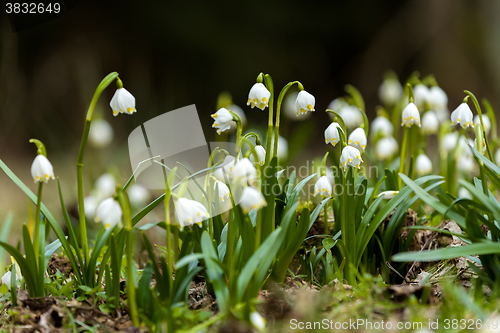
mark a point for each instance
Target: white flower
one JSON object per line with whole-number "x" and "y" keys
{"x": 466, "y": 163}
{"x": 463, "y": 116}
{"x": 305, "y": 102}
{"x": 323, "y": 187}
{"x": 443, "y": 115}
{"x": 381, "y": 125}
{"x": 101, "y": 133}
{"x": 497, "y": 157}
{"x": 261, "y": 155}
{"x": 449, "y": 141}
{"x": 410, "y": 116}
{"x": 282, "y": 148}
{"x": 105, "y": 186}
{"x": 223, "y": 190}
{"x": 463, "y": 193}
{"x": 386, "y": 148}
{"x": 189, "y": 211}
{"x": 239, "y": 111}
{"x": 423, "y": 165}
{"x": 109, "y": 213}
{"x": 228, "y": 168}
{"x": 390, "y": 91}
{"x": 430, "y": 123}
{"x": 251, "y": 198}
{"x": 350, "y": 156}
{"x": 222, "y": 120}
{"x": 259, "y": 96}
{"x": 351, "y": 116}
{"x": 357, "y": 139}
{"x": 288, "y": 107}
{"x": 486, "y": 122}
{"x": 90, "y": 203}
{"x": 257, "y": 321}
{"x": 388, "y": 194}
{"x": 422, "y": 95}
{"x": 336, "y": 105}
{"x": 330, "y": 175}
{"x": 332, "y": 134}
{"x": 41, "y": 169}
{"x": 438, "y": 98}
{"x": 138, "y": 195}
{"x": 244, "y": 171}
{"x": 122, "y": 102}
{"x": 7, "y": 279}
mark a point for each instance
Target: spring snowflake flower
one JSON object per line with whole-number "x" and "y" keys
{"x": 288, "y": 107}
{"x": 332, "y": 134}
{"x": 466, "y": 164}
{"x": 388, "y": 194}
{"x": 422, "y": 95}
{"x": 223, "y": 190}
{"x": 323, "y": 187}
{"x": 90, "y": 203}
{"x": 438, "y": 98}
{"x": 261, "y": 155}
{"x": 390, "y": 91}
{"x": 190, "y": 211}
{"x": 381, "y": 126}
{"x": 105, "y": 186}
{"x": 410, "y": 116}
{"x": 357, "y": 139}
{"x": 463, "y": 116}
{"x": 244, "y": 171}
{"x": 423, "y": 165}
{"x": 497, "y": 157}
{"x": 386, "y": 148}
{"x": 222, "y": 120}
{"x": 41, "y": 169}
{"x": 350, "y": 156}
{"x": 257, "y": 321}
{"x": 109, "y": 213}
{"x": 252, "y": 198}
{"x": 227, "y": 169}
{"x": 430, "y": 123}
{"x": 7, "y": 279}
{"x": 101, "y": 133}
{"x": 351, "y": 116}
{"x": 239, "y": 111}
{"x": 304, "y": 103}
{"x": 449, "y": 142}
{"x": 138, "y": 195}
{"x": 259, "y": 96}
{"x": 463, "y": 193}
{"x": 122, "y": 102}
{"x": 486, "y": 122}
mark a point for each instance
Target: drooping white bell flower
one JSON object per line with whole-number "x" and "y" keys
{"x": 381, "y": 126}
{"x": 430, "y": 123}
{"x": 109, "y": 213}
{"x": 261, "y": 155}
{"x": 449, "y": 142}
{"x": 351, "y": 116}
{"x": 251, "y": 198}
{"x": 423, "y": 165}
{"x": 386, "y": 148}
{"x": 350, "y": 156}
{"x": 223, "y": 190}
{"x": 332, "y": 134}
{"x": 41, "y": 169}
{"x": 330, "y": 175}
{"x": 244, "y": 171}
{"x": 222, "y": 120}
{"x": 388, "y": 194}
{"x": 239, "y": 111}
{"x": 257, "y": 321}
{"x": 463, "y": 116}
{"x": 422, "y": 95}
{"x": 497, "y": 157}
{"x": 438, "y": 98}
{"x": 466, "y": 163}
{"x": 90, "y": 203}
{"x": 357, "y": 139}
{"x": 282, "y": 148}
{"x": 304, "y": 103}
{"x": 101, "y": 133}
{"x": 122, "y": 102}
{"x": 336, "y": 105}
{"x": 390, "y": 91}
{"x": 7, "y": 279}
{"x": 463, "y": 146}
{"x": 227, "y": 169}
{"x": 486, "y": 122}
{"x": 410, "y": 116}
{"x": 323, "y": 187}
{"x": 289, "y": 110}
{"x": 259, "y": 96}
{"x": 138, "y": 195}
{"x": 105, "y": 186}
{"x": 189, "y": 211}
{"x": 463, "y": 193}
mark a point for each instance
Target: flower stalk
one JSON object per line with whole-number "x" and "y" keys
{"x": 269, "y": 85}
{"x": 278, "y": 113}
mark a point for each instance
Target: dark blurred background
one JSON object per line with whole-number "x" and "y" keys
{"x": 172, "y": 54}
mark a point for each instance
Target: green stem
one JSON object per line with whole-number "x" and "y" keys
{"x": 36, "y": 234}
{"x": 131, "y": 300}
{"x": 239, "y": 128}
{"x": 404, "y": 147}
{"x": 269, "y": 85}
{"x": 278, "y": 113}
{"x": 79, "y": 162}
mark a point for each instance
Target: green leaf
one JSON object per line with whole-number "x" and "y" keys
{"x": 317, "y": 211}
{"x": 215, "y": 272}
{"x": 4, "y": 237}
{"x": 449, "y": 252}
{"x": 328, "y": 243}
{"x": 26, "y": 270}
